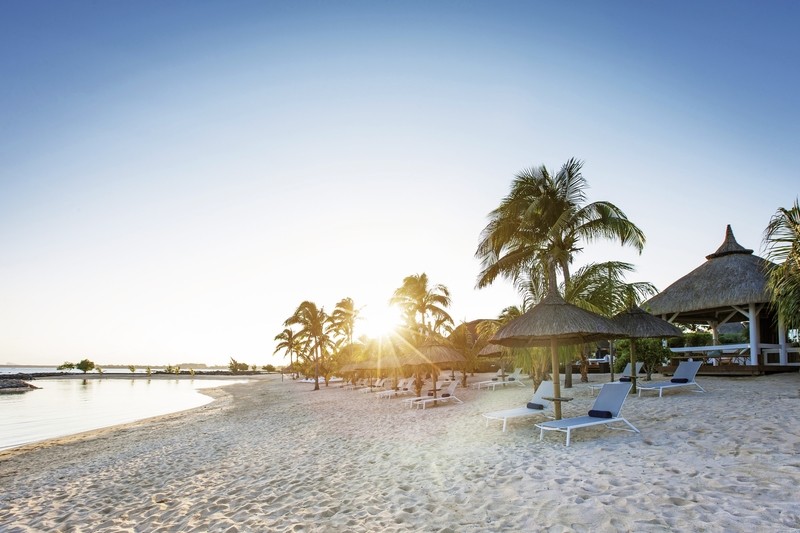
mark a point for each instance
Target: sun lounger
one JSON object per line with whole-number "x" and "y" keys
{"x": 447, "y": 396}
{"x": 496, "y": 377}
{"x": 378, "y": 385}
{"x": 515, "y": 378}
{"x": 429, "y": 394}
{"x": 605, "y": 410}
{"x": 356, "y": 384}
{"x": 390, "y": 392}
{"x": 683, "y": 377}
{"x": 625, "y": 376}
{"x": 537, "y": 406}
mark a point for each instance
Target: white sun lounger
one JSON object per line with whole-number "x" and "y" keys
{"x": 410, "y": 401}
{"x": 625, "y": 376}
{"x": 537, "y": 406}
{"x": 515, "y": 378}
{"x": 447, "y": 396}
{"x": 390, "y": 392}
{"x": 683, "y": 377}
{"x": 605, "y": 410}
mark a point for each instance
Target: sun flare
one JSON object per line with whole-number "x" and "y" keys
{"x": 378, "y": 321}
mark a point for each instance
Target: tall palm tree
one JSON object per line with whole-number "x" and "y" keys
{"x": 423, "y": 307}
{"x": 542, "y": 224}
{"x": 782, "y": 243}
{"x": 313, "y": 323}
{"x": 289, "y": 342}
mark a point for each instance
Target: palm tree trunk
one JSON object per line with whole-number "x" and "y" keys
{"x": 316, "y": 368}
{"x": 556, "y": 379}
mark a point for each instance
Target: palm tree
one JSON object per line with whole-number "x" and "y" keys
{"x": 602, "y": 289}
{"x": 468, "y": 340}
{"x": 423, "y": 307}
{"x": 343, "y": 319}
{"x": 313, "y": 332}
{"x": 288, "y": 341}
{"x": 782, "y": 243}
{"x": 542, "y": 223}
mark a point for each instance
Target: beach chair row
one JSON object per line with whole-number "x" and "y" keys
{"x": 606, "y": 407}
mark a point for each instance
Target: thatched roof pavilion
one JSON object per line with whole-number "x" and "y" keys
{"x": 731, "y": 286}
{"x": 731, "y": 276}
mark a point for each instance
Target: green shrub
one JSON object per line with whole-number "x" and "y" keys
{"x": 85, "y": 366}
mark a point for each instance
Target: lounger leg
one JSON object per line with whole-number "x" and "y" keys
{"x": 633, "y": 428}
{"x": 568, "y": 433}
{"x": 541, "y": 433}
{"x": 504, "y": 424}
{"x": 699, "y": 387}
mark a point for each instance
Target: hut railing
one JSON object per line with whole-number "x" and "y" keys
{"x": 772, "y": 355}
{"x": 737, "y": 354}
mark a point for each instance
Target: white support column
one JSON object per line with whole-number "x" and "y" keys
{"x": 714, "y": 332}
{"x": 753, "y": 333}
{"x": 784, "y": 356}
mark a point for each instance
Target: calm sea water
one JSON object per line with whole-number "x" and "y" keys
{"x": 35, "y": 369}
{"x": 67, "y": 406}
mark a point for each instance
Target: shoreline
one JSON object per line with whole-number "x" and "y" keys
{"x": 272, "y": 455}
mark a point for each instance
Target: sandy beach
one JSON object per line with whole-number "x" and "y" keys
{"x": 276, "y": 456}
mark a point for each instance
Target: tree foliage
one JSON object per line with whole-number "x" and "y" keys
{"x": 424, "y": 308}
{"x": 85, "y": 365}
{"x": 541, "y": 224}
{"x": 236, "y": 367}
{"x": 782, "y": 244}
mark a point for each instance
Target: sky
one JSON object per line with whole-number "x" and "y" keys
{"x": 176, "y": 177}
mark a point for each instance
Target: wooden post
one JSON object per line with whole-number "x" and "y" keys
{"x": 556, "y": 379}
{"x": 633, "y": 366}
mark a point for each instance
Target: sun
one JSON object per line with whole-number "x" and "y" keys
{"x": 378, "y": 321}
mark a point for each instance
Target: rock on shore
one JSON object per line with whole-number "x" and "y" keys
{"x": 15, "y": 385}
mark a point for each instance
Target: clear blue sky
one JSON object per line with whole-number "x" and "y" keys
{"x": 175, "y": 177}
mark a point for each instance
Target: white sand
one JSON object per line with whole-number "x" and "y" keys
{"x": 272, "y": 456}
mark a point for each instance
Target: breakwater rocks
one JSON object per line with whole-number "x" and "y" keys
{"x": 15, "y": 385}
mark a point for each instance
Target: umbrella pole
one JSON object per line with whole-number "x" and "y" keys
{"x": 556, "y": 379}
{"x": 633, "y": 366}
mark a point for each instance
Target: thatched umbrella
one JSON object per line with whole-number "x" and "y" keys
{"x": 550, "y": 323}
{"x": 728, "y": 286}
{"x": 493, "y": 350}
{"x": 381, "y": 363}
{"x": 430, "y": 354}
{"x": 637, "y": 324}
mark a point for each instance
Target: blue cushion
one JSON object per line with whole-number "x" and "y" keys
{"x": 679, "y": 380}
{"x": 511, "y": 379}
{"x": 600, "y": 414}
{"x": 495, "y": 379}
{"x": 445, "y": 395}
{"x": 532, "y": 405}
{"x": 625, "y": 378}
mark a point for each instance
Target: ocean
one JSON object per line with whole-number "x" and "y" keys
{"x": 64, "y": 407}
